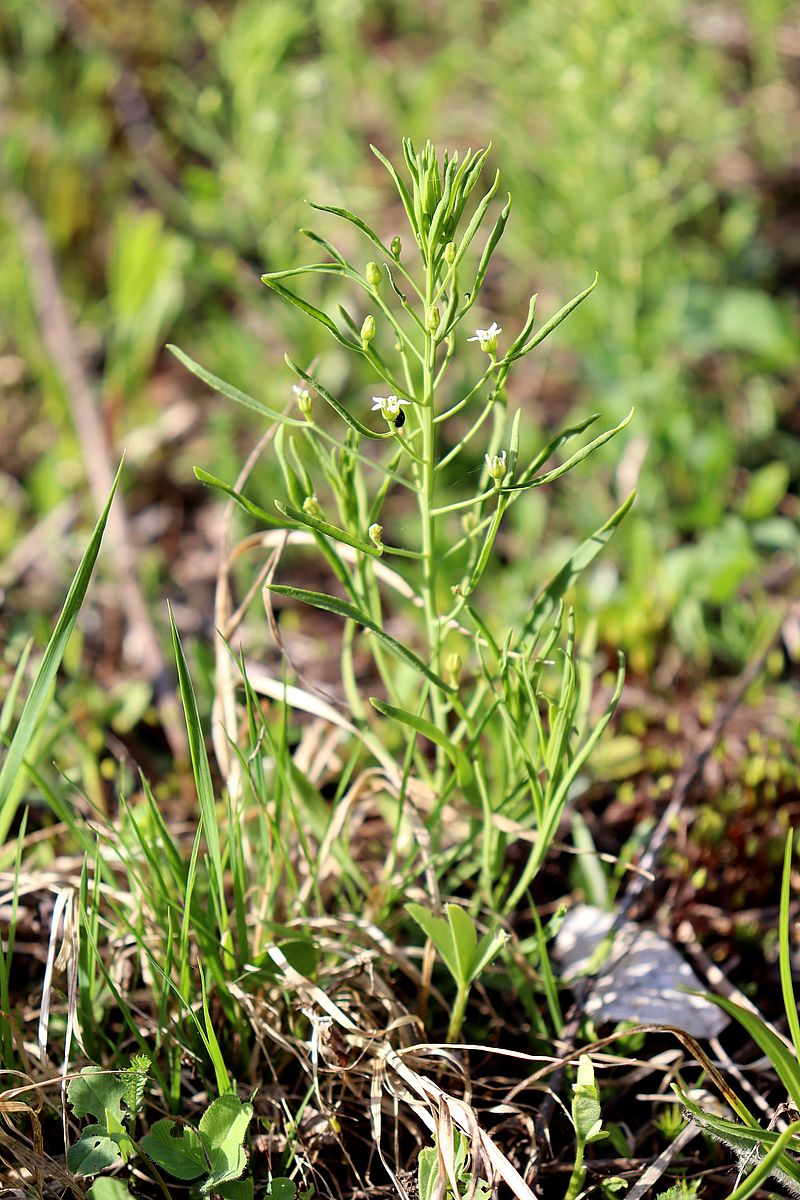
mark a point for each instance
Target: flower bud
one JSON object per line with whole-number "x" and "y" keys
{"x": 454, "y": 665}
{"x": 303, "y": 401}
{"x": 311, "y": 506}
{"x": 450, "y": 253}
{"x": 373, "y": 274}
{"x": 367, "y": 330}
{"x": 432, "y": 318}
{"x": 396, "y": 246}
{"x": 376, "y": 535}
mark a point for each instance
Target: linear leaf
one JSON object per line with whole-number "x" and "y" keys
{"x": 333, "y": 531}
{"x": 38, "y": 697}
{"x": 335, "y": 404}
{"x": 253, "y": 510}
{"x": 310, "y": 310}
{"x": 555, "y": 320}
{"x": 349, "y": 612}
{"x": 572, "y": 461}
{"x": 227, "y": 389}
{"x": 430, "y": 731}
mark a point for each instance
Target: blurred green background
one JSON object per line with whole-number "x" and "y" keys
{"x": 168, "y": 148}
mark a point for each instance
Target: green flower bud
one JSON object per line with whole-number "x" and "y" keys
{"x": 396, "y": 246}
{"x": 303, "y": 400}
{"x": 311, "y": 506}
{"x": 373, "y": 274}
{"x": 450, "y": 252}
{"x": 367, "y": 330}
{"x": 454, "y": 665}
{"x": 432, "y": 318}
{"x": 376, "y": 535}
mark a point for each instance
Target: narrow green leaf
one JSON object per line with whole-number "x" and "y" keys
{"x": 343, "y": 609}
{"x": 309, "y": 309}
{"x": 227, "y": 389}
{"x": 202, "y": 776}
{"x": 346, "y": 215}
{"x": 253, "y": 510}
{"x": 333, "y": 531}
{"x": 550, "y": 325}
{"x": 337, "y": 407}
{"x": 553, "y": 592}
{"x": 408, "y": 203}
{"x": 572, "y": 461}
{"x": 787, "y": 986}
{"x": 464, "y": 771}
{"x": 39, "y": 695}
{"x": 776, "y": 1051}
{"x": 487, "y": 949}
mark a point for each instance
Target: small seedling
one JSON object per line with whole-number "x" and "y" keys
{"x": 456, "y": 941}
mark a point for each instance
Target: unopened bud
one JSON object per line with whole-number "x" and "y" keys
{"x": 303, "y": 401}
{"x": 396, "y": 246}
{"x": 469, "y": 521}
{"x": 432, "y": 318}
{"x": 311, "y": 506}
{"x": 496, "y": 466}
{"x": 454, "y": 665}
{"x": 450, "y": 252}
{"x": 376, "y": 535}
{"x": 367, "y": 330}
{"x": 373, "y": 274}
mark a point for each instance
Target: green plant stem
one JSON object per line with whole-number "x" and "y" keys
{"x": 426, "y": 494}
{"x": 457, "y": 1013}
{"x": 578, "y": 1174}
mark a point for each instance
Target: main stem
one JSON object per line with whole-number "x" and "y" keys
{"x": 428, "y": 414}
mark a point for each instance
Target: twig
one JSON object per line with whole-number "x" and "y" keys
{"x": 142, "y": 647}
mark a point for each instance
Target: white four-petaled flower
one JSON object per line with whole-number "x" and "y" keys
{"x": 487, "y": 337}
{"x": 388, "y": 406}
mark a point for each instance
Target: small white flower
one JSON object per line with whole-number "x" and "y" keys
{"x": 496, "y": 466}
{"x": 388, "y": 406}
{"x": 487, "y": 337}
{"x": 302, "y": 393}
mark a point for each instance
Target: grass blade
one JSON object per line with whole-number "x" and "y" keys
{"x": 38, "y": 697}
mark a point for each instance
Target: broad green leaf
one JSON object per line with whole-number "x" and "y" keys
{"x": 93, "y": 1152}
{"x": 94, "y": 1092}
{"x": 439, "y": 931}
{"x": 342, "y": 608}
{"x": 236, "y": 1189}
{"x": 39, "y": 695}
{"x": 465, "y": 940}
{"x": 333, "y": 531}
{"x": 464, "y": 771}
{"x": 427, "y": 1173}
{"x": 253, "y": 510}
{"x": 176, "y": 1148}
{"x": 227, "y": 389}
{"x": 223, "y": 1128}
{"x": 282, "y": 1189}
{"x": 108, "y": 1189}
{"x": 119, "y": 1134}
